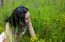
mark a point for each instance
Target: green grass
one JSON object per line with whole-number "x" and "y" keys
{"x": 48, "y": 18}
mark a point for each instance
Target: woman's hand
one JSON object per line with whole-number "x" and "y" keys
{"x": 3, "y": 37}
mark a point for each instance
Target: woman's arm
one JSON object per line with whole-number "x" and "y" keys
{"x": 8, "y": 33}
{"x": 30, "y": 27}
{"x": 32, "y": 32}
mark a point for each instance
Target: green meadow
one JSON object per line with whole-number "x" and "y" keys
{"x": 48, "y": 18}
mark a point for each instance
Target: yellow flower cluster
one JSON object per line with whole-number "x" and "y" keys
{"x": 33, "y": 38}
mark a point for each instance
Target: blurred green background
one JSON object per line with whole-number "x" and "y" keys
{"x": 48, "y": 18}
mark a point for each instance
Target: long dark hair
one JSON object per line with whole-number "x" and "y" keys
{"x": 19, "y": 15}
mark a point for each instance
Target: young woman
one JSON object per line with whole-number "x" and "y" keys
{"x": 20, "y": 20}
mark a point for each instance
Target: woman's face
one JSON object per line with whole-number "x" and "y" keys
{"x": 27, "y": 16}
